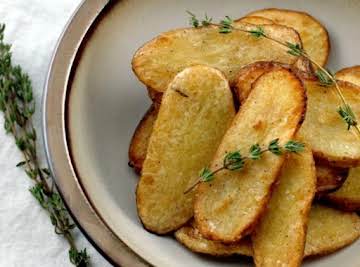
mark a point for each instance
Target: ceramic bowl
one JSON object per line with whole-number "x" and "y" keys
{"x": 93, "y": 102}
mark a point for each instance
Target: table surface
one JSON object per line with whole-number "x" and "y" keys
{"x": 27, "y": 236}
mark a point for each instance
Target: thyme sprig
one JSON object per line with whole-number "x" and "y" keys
{"x": 236, "y": 161}
{"x": 325, "y": 77}
{"x": 18, "y": 106}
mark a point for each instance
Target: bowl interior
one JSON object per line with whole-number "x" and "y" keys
{"x": 106, "y": 101}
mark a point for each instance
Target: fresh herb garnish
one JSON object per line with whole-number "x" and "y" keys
{"x": 235, "y": 161}
{"x": 226, "y": 25}
{"x": 258, "y": 32}
{"x": 325, "y": 77}
{"x": 18, "y": 106}
{"x": 295, "y": 49}
{"x": 274, "y": 147}
{"x": 347, "y": 115}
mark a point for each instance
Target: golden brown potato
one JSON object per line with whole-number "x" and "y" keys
{"x": 190, "y": 236}
{"x": 347, "y": 197}
{"x": 328, "y": 230}
{"x": 140, "y": 140}
{"x": 159, "y": 60}
{"x": 313, "y": 34}
{"x": 279, "y": 237}
{"x": 256, "y": 20}
{"x": 322, "y": 121}
{"x": 329, "y": 178}
{"x": 351, "y": 74}
{"x": 248, "y": 74}
{"x": 194, "y": 114}
{"x": 228, "y": 207}
{"x": 325, "y": 130}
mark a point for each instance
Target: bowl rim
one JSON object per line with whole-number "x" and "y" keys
{"x": 58, "y": 81}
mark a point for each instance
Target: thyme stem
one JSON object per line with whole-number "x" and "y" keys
{"x": 234, "y": 161}
{"x": 295, "y": 50}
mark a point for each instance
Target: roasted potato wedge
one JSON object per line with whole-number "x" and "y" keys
{"x": 322, "y": 122}
{"x": 158, "y": 61}
{"x": 328, "y": 230}
{"x": 329, "y": 178}
{"x": 287, "y": 214}
{"x": 190, "y": 236}
{"x": 351, "y": 74}
{"x": 194, "y": 114}
{"x": 228, "y": 207}
{"x": 347, "y": 197}
{"x": 313, "y": 34}
{"x": 256, "y": 20}
{"x": 140, "y": 140}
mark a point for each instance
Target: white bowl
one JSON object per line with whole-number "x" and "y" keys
{"x": 93, "y": 103}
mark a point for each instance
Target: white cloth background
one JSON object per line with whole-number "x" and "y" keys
{"x": 27, "y": 237}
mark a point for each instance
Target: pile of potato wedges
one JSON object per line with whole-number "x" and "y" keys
{"x": 215, "y": 93}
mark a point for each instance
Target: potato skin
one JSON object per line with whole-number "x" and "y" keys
{"x": 195, "y": 112}
{"x": 255, "y": 118}
{"x": 250, "y": 73}
{"x": 158, "y": 61}
{"x": 140, "y": 139}
{"x": 329, "y": 178}
{"x": 350, "y": 74}
{"x": 256, "y": 20}
{"x": 155, "y": 96}
{"x": 313, "y": 34}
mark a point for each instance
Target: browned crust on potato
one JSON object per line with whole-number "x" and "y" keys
{"x": 349, "y": 74}
{"x": 335, "y": 161}
{"x": 257, "y": 20}
{"x": 155, "y": 96}
{"x": 321, "y": 26}
{"x": 140, "y": 139}
{"x": 249, "y": 73}
{"x": 201, "y": 221}
{"x": 329, "y": 178}
{"x": 347, "y": 197}
{"x": 343, "y": 203}
{"x": 191, "y": 238}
